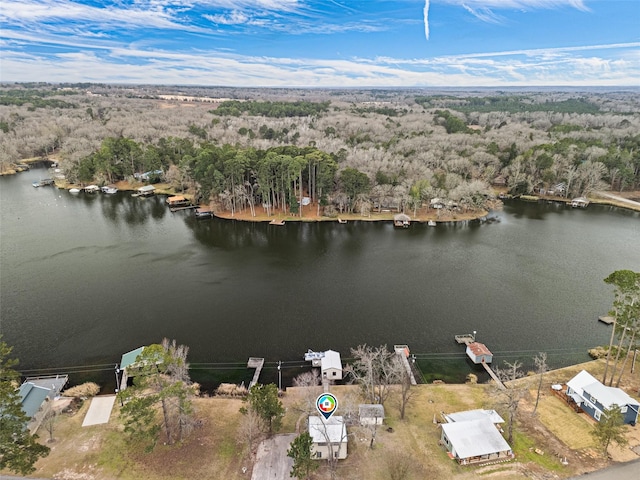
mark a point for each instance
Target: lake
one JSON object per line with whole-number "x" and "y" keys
{"x": 85, "y": 278}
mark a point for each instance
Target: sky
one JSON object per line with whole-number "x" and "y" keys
{"x": 322, "y": 43}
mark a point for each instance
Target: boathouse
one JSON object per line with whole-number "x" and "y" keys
{"x": 475, "y": 441}
{"x": 479, "y": 353}
{"x": 146, "y": 191}
{"x": 331, "y": 365}
{"x": 580, "y": 202}
{"x": 594, "y": 398}
{"x": 401, "y": 220}
{"x": 127, "y": 364}
{"x": 177, "y": 201}
{"x": 329, "y": 437}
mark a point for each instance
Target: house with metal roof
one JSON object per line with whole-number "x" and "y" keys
{"x": 329, "y": 437}
{"x": 36, "y": 393}
{"x": 478, "y": 414}
{"x": 331, "y": 365}
{"x": 479, "y": 353}
{"x": 371, "y": 414}
{"x": 474, "y": 442}
{"x": 594, "y": 398}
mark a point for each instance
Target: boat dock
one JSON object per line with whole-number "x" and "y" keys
{"x": 606, "y": 320}
{"x": 467, "y": 338}
{"x": 403, "y": 352}
{"x": 177, "y": 209}
{"x": 494, "y": 376}
{"x": 257, "y": 363}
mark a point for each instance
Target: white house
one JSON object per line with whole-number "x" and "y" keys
{"x": 331, "y": 365}
{"x": 329, "y": 437}
{"x": 478, "y": 414}
{"x": 475, "y": 441}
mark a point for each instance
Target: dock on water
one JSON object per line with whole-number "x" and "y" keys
{"x": 403, "y": 352}
{"x": 606, "y": 320}
{"x": 257, "y": 363}
{"x": 466, "y": 338}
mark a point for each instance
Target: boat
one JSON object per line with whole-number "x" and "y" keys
{"x": 92, "y": 189}
{"x": 109, "y": 189}
{"x": 43, "y": 183}
{"x": 74, "y": 190}
{"x": 401, "y": 220}
{"x": 432, "y": 223}
{"x": 203, "y": 212}
{"x": 341, "y": 221}
{"x": 276, "y": 222}
{"x": 36, "y": 184}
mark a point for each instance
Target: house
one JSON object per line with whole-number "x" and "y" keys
{"x": 479, "y": 353}
{"x": 36, "y": 394}
{"x": 146, "y": 191}
{"x": 331, "y": 365}
{"x": 594, "y": 398}
{"x": 475, "y": 441}
{"x": 469, "y": 415}
{"x": 371, "y": 414}
{"x": 329, "y": 437}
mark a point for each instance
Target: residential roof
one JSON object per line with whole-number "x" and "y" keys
{"x": 366, "y": 410}
{"x": 176, "y": 198}
{"x": 478, "y": 414}
{"x": 609, "y": 396}
{"x": 580, "y": 381}
{"x": 474, "y": 438}
{"x": 333, "y": 430}
{"x": 31, "y": 397}
{"x": 331, "y": 359}
{"x": 147, "y": 188}
{"x": 478, "y": 348}
{"x": 130, "y": 358}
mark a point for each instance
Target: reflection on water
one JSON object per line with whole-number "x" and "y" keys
{"x": 86, "y": 278}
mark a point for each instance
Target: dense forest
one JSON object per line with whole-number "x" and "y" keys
{"x": 349, "y": 150}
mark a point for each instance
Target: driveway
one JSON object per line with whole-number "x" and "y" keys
{"x": 621, "y": 471}
{"x": 272, "y": 462}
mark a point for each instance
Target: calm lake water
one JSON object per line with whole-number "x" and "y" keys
{"x": 85, "y": 278}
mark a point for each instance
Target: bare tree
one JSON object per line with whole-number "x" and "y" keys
{"x": 509, "y": 398}
{"x": 540, "y": 361}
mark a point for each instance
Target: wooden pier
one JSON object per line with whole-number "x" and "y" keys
{"x": 177, "y": 209}
{"x": 467, "y": 338}
{"x": 606, "y": 320}
{"x": 256, "y": 363}
{"x": 494, "y": 376}
{"x": 403, "y": 352}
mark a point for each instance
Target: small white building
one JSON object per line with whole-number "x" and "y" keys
{"x": 479, "y": 353}
{"x": 371, "y": 414}
{"x": 478, "y": 414}
{"x": 329, "y": 437}
{"x": 331, "y": 365}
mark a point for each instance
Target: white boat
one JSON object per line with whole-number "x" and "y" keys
{"x": 92, "y": 189}
{"x": 74, "y": 190}
{"x": 432, "y": 223}
{"x": 109, "y": 189}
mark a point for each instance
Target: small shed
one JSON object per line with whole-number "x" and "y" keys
{"x": 147, "y": 190}
{"x": 479, "y": 353}
{"x": 331, "y": 365}
{"x": 371, "y": 414}
{"x": 401, "y": 220}
{"x": 475, "y": 441}
{"x": 329, "y": 437}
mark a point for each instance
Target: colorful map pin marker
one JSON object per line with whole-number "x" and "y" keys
{"x": 327, "y": 404}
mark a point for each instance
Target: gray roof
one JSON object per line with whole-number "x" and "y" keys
{"x": 367, "y": 410}
{"x": 474, "y": 438}
{"x": 54, "y": 384}
{"x": 492, "y": 415}
{"x": 333, "y": 430}
{"x": 129, "y": 358}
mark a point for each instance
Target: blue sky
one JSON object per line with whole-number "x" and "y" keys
{"x": 323, "y": 43}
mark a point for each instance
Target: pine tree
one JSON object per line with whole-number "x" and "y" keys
{"x": 303, "y": 462}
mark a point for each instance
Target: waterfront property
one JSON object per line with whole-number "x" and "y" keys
{"x": 92, "y": 189}
{"x": 329, "y": 437}
{"x": 146, "y": 191}
{"x": 479, "y": 353}
{"x": 401, "y": 220}
{"x": 127, "y": 365}
{"x": 177, "y": 201}
{"x": 36, "y": 394}
{"x": 594, "y": 398}
{"x": 331, "y": 365}
{"x": 203, "y": 212}
{"x": 109, "y": 189}
{"x": 580, "y": 202}
{"x": 475, "y": 442}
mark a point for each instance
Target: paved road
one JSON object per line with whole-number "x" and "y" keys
{"x": 272, "y": 462}
{"x": 621, "y": 471}
{"x": 619, "y": 199}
